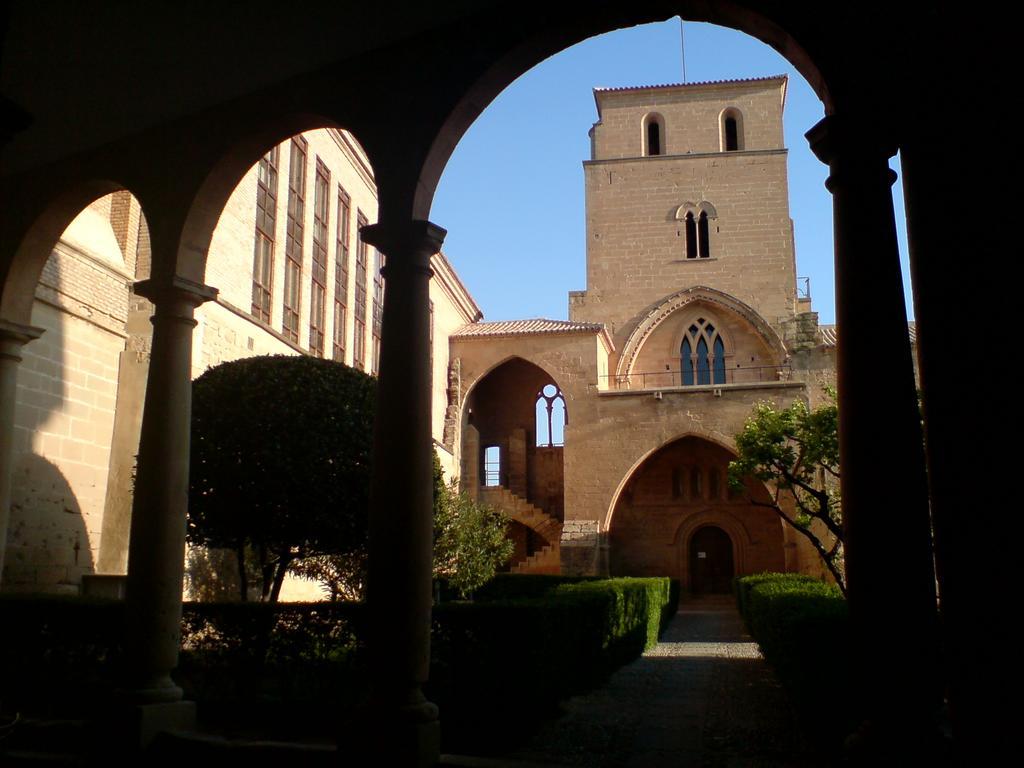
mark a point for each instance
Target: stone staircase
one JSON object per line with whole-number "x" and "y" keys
{"x": 548, "y": 558}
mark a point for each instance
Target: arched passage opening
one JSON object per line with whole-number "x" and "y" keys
{"x": 678, "y": 491}
{"x": 67, "y": 479}
{"x": 513, "y": 435}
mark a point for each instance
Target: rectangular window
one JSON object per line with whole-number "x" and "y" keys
{"x": 341, "y": 274}
{"x": 266, "y": 220}
{"x": 431, "y": 344}
{"x": 378, "y": 308}
{"x": 492, "y": 466}
{"x": 293, "y": 243}
{"x": 318, "y": 278}
{"x": 359, "y": 308}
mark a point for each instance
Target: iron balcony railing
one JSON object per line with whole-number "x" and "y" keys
{"x": 754, "y": 374}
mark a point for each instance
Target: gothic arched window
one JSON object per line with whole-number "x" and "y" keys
{"x": 702, "y": 355}
{"x": 551, "y": 417}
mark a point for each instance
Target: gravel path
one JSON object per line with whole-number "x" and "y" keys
{"x": 702, "y": 697}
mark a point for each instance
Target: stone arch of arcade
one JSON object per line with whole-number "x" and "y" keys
{"x": 474, "y": 55}
{"x": 500, "y": 412}
{"x": 674, "y": 490}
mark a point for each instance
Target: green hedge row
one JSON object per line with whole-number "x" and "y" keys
{"x": 498, "y": 662}
{"x": 802, "y": 626}
{"x": 292, "y": 664}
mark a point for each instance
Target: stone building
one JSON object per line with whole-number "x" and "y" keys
{"x": 690, "y": 317}
{"x": 174, "y": 102}
{"x": 293, "y": 276}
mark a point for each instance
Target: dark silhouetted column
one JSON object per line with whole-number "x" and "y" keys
{"x": 888, "y": 549}
{"x": 404, "y": 728}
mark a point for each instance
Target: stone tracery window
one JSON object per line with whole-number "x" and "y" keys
{"x": 702, "y": 354}
{"x": 551, "y": 417}
{"x": 696, "y": 231}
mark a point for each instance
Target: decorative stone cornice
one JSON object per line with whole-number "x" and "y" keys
{"x": 13, "y": 336}
{"x": 854, "y": 149}
{"x": 411, "y": 243}
{"x": 177, "y": 288}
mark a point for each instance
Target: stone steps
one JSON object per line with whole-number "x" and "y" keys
{"x": 548, "y": 558}
{"x": 545, "y": 560}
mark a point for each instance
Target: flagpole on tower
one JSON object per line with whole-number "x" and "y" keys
{"x": 682, "y": 48}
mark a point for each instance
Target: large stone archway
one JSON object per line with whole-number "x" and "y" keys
{"x": 679, "y": 489}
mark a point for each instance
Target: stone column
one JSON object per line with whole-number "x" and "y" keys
{"x": 953, "y": 412}
{"x": 156, "y": 547}
{"x": 13, "y": 336}
{"x": 403, "y": 727}
{"x": 888, "y": 549}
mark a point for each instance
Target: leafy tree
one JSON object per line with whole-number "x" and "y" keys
{"x": 469, "y": 546}
{"x": 796, "y": 450}
{"x": 470, "y": 541}
{"x": 280, "y": 462}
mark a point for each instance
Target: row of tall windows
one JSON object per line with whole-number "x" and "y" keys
{"x": 293, "y": 241}
{"x": 266, "y": 220}
{"x": 341, "y": 273}
{"x": 378, "y": 310}
{"x": 263, "y": 258}
{"x": 359, "y": 321}
{"x": 318, "y": 278}
{"x": 695, "y": 483}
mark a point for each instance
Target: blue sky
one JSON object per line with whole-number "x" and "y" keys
{"x": 511, "y": 197}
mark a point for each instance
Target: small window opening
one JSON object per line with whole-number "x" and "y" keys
{"x": 653, "y": 138}
{"x": 551, "y": 417}
{"x": 731, "y": 134}
{"x": 691, "y": 235}
{"x": 714, "y": 483}
{"x": 696, "y": 484}
{"x": 703, "y": 235}
{"x": 677, "y": 483}
{"x": 492, "y": 466}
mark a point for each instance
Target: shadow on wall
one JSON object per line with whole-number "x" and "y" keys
{"x": 47, "y": 544}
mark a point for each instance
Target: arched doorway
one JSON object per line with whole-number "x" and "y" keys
{"x": 671, "y": 507}
{"x": 711, "y": 561}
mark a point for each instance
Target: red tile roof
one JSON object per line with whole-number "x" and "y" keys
{"x": 531, "y": 326}
{"x": 829, "y": 334}
{"x": 687, "y": 85}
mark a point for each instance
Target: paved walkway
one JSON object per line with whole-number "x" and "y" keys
{"x": 703, "y": 697}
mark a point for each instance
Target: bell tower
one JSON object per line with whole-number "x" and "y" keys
{"x": 687, "y": 187}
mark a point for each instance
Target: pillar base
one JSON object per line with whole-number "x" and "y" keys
{"x": 131, "y": 728}
{"x": 406, "y": 736}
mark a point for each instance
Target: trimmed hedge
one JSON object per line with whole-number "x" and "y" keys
{"x": 511, "y": 586}
{"x": 743, "y": 584}
{"x": 521, "y": 656}
{"x": 802, "y": 626}
{"x": 291, "y": 668}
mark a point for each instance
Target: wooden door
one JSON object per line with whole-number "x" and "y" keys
{"x": 711, "y": 564}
